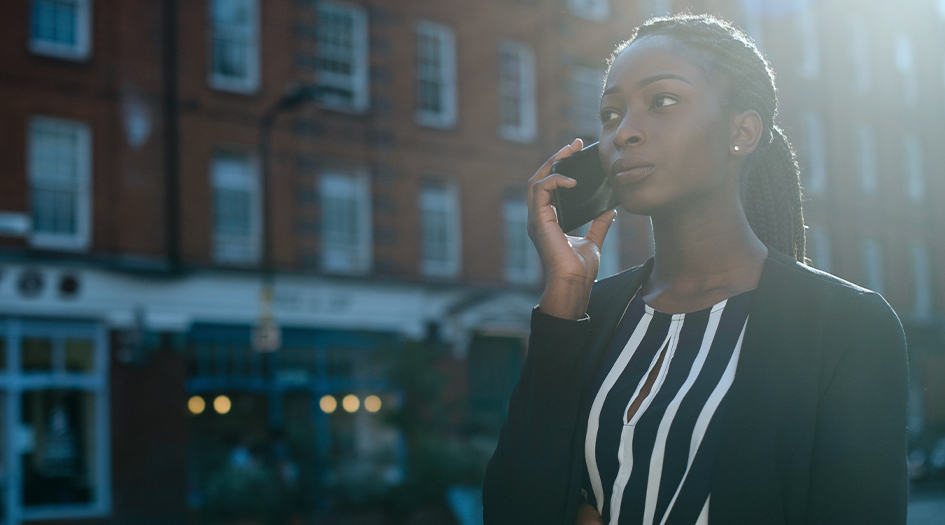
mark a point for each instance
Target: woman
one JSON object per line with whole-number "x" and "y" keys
{"x": 723, "y": 381}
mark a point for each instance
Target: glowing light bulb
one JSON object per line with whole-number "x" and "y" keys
{"x": 196, "y": 404}
{"x": 328, "y": 404}
{"x": 351, "y": 403}
{"x": 372, "y": 403}
{"x": 222, "y": 404}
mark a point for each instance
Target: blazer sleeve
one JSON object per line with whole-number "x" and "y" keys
{"x": 858, "y": 466}
{"x": 527, "y": 479}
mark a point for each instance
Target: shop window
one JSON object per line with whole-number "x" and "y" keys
{"x": 234, "y": 33}
{"x": 237, "y": 214}
{"x": 439, "y": 207}
{"x": 517, "y": 117}
{"x": 436, "y": 75}
{"x": 61, "y": 28}
{"x": 342, "y": 61}
{"x": 60, "y": 183}
{"x": 346, "y": 222}
{"x": 56, "y": 430}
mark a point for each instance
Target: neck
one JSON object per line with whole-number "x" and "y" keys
{"x": 706, "y": 246}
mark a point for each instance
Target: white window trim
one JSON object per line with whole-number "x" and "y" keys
{"x": 595, "y": 10}
{"x": 532, "y": 272}
{"x": 526, "y": 131}
{"x": 255, "y": 234}
{"x": 809, "y": 36}
{"x": 450, "y": 268}
{"x": 364, "y": 249}
{"x": 222, "y": 82}
{"x": 587, "y": 125}
{"x": 82, "y": 49}
{"x": 360, "y": 75}
{"x": 447, "y": 117}
{"x": 81, "y": 239}
{"x": 13, "y": 384}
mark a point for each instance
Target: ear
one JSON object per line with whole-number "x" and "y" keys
{"x": 746, "y": 132}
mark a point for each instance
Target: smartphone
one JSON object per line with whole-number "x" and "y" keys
{"x": 593, "y": 194}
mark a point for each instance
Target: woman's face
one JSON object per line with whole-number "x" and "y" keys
{"x": 666, "y": 137}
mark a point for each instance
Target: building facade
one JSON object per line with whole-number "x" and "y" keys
{"x": 146, "y": 230}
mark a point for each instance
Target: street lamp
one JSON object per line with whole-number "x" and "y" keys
{"x": 267, "y": 336}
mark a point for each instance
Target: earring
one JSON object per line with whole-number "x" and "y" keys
{"x": 736, "y": 148}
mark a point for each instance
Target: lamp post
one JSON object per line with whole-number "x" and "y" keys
{"x": 267, "y": 336}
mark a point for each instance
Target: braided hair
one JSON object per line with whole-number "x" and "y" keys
{"x": 769, "y": 182}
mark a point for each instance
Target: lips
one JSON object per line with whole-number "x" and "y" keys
{"x": 628, "y": 172}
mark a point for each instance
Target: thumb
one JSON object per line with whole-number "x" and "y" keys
{"x": 598, "y": 229}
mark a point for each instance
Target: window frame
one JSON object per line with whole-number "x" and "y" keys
{"x": 81, "y": 239}
{"x": 253, "y": 240}
{"x": 816, "y": 155}
{"x": 861, "y": 54}
{"x": 808, "y": 29}
{"x": 527, "y": 129}
{"x": 913, "y": 158}
{"x": 81, "y": 50}
{"x": 220, "y": 81}
{"x": 587, "y": 125}
{"x": 515, "y": 220}
{"x": 447, "y": 75}
{"x": 866, "y": 149}
{"x": 358, "y": 81}
{"x": 451, "y": 267}
{"x": 904, "y": 58}
{"x": 362, "y": 251}
{"x": 14, "y": 383}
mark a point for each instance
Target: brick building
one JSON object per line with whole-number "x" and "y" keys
{"x": 133, "y": 230}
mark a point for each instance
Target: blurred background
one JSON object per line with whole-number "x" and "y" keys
{"x": 264, "y": 261}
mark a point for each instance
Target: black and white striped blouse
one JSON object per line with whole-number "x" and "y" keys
{"x": 656, "y": 467}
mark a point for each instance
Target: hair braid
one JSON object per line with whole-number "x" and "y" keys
{"x": 770, "y": 184}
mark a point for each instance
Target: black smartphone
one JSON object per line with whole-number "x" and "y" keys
{"x": 590, "y": 197}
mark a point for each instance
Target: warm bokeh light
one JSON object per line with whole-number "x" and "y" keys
{"x": 351, "y": 403}
{"x": 372, "y": 403}
{"x": 328, "y": 404}
{"x": 196, "y": 405}
{"x": 222, "y": 404}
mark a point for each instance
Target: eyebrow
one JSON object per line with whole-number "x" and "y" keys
{"x": 646, "y": 81}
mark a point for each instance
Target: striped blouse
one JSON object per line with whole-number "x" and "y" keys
{"x": 659, "y": 395}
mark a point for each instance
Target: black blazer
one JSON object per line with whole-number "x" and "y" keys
{"x": 814, "y": 432}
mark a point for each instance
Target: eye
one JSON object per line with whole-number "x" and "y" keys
{"x": 607, "y": 115}
{"x": 661, "y": 101}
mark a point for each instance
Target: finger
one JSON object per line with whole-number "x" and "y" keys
{"x": 564, "y": 152}
{"x": 598, "y": 229}
{"x": 544, "y": 189}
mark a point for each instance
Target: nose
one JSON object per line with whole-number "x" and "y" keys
{"x": 629, "y": 132}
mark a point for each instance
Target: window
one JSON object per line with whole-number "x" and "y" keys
{"x": 866, "y": 155}
{"x": 809, "y": 36}
{"x": 342, "y": 61}
{"x": 516, "y": 92}
{"x": 439, "y": 208}
{"x": 905, "y": 64}
{"x": 588, "y": 87}
{"x": 236, "y": 210}
{"x": 234, "y": 34}
{"x": 60, "y": 165}
{"x": 346, "y": 222}
{"x": 873, "y": 265}
{"x": 860, "y": 54}
{"x": 61, "y": 28}
{"x": 522, "y": 265}
{"x": 914, "y": 168}
{"x": 755, "y": 24}
{"x": 436, "y": 75}
{"x": 815, "y": 155}
{"x": 54, "y": 415}
{"x": 590, "y": 9}
{"x": 922, "y": 271}
{"x": 819, "y": 249}
{"x": 651, "y": 8}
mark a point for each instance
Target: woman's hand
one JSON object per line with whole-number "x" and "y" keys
{"x": 588, "y": 515}
{"x": 570, "y": 263}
